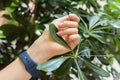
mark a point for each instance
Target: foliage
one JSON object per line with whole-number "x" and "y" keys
{"x": 99, "y": 31}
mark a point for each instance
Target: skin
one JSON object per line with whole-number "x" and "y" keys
{"x": 67, "y": 28}
{"x": 3, "y": 20}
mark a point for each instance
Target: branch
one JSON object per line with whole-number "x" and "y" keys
{"x": 33, "y": 9}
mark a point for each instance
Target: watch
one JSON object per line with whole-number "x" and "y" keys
{"x": 29, "y": 64}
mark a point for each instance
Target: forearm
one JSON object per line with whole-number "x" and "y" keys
{"x": 15, "y": 71}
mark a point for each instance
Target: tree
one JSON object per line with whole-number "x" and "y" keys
{"x": 99, "y": 31}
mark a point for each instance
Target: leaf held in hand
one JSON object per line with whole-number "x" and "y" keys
{"x": 53, "y": 31}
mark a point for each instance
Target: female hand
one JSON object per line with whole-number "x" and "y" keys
{"x": 46, "y": 47}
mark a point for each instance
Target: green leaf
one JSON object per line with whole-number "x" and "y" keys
{"x": 102, "y": 22}
{"x": 53, "y": 31}
{"x": 85, "y": 78}
{"x": 13, "y": 22}
{"x": 97, "y": 69}
{"x": 114, "y": 6}
{"x": 60, "y": 15}
{"x": 86, "y": 52}
{"x": 116, "y": 24}
{"x": 52, "y": 64}
{"x": 12, "y": 31}
{"x": 81, "y": 76}
{"x": 64, "y": 68}
{"x": 1, "y": 34}
{"x": 98, "y": 37}
{"x": 105, "y": 27}
{"x": 9, "y": 9}
{"x": 21, "y": 19}
{"x": 97, "y": 32}
{"x": 93, "y": 20}
{"x": 13, "y": 4}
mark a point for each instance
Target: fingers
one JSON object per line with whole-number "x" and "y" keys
{"x": 68, "y": 28}
{"x": 73, "y": 17}
{"x": 70, "y": 20}
{"x": 68, "y": 31}
{"x": 68, "y": 24}
{"x": 70, "y": 17}
{"x": 73, "y": 40}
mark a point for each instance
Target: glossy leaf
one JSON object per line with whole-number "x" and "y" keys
{"x": 64, "y": 69}
{"x": 53, "y": 31}
{"x": 93, "y": 20}
{"x": 116, "y": 24}
{"x": 102, "y": 22}
{"x": 81, "y": 76}
{"x": 98, "y": 37}
{"x": 52, "y": 64}
{"x": 97, "y": 32}
{"x": 85, "y": 78}
{"x": 59, "y": 15}
{"x": 97, "y": 69}
{"x": 86, "y": 52}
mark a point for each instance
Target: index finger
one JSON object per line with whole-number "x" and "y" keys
{"x": 70, "y": 17}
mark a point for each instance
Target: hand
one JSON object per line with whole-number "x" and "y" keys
{"x": 46, "y": 47}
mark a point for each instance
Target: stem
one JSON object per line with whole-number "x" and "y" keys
{"x": 72, "y": 52}
{"x": 79, "y": 45}
{"x": 97, "y": 55}
{"x": 79, "y": 71}
{"x": 77, "y": 49}
{"x": 83, "y": 23}
{"x": 33, "y": 17}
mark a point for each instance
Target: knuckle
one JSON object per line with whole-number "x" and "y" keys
{"x": 75, "y": 17}
{"x": 65, "y": 23}
{"x": 76, "y": 24}
{"x": 77, "y": 31}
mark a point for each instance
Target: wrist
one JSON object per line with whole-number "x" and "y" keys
{"x": 29, "y": 64}
{"x": 38, "y": 52}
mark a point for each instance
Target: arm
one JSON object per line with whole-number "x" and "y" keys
{"x": 44, "y": 48}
